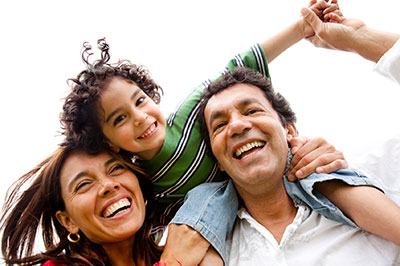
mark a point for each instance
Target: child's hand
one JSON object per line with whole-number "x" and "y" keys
{"x": 325, "y": 11}
{"x": 314, "y": 155}
{"x": 184, "y": 246}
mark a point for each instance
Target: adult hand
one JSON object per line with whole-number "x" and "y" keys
{"x": 336, "y": 34}
{"x": 184, "y": 245}
{"x": 314, "y": 155}
{"x": 323, "y": 9}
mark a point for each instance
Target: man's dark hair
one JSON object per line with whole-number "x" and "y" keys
{"x": 247, "y": 76}
{"x": 80, "y": 118}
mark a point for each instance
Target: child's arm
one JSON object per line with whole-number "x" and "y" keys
{"x": 314, "y": 155}
{"x": 295, "y": 32}
{"x": 367, "y": 206}
{"x": 349, "y": 35}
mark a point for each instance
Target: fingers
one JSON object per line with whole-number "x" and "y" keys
{"x": 312, "y": 2}
{"x": 311, "y": 18}
{"x": 316, "y": 155}
{"x": 297, "y": 143}
{"x": 330, "y": 8}
{"x": 335, "y": 165}
{"x": 336, "y": 17}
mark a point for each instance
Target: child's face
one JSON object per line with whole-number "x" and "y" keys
{"x": 132, "y": 121}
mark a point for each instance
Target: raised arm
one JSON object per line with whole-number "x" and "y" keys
{"x": 298, "y": 30}
{"x": 348, "y": 34}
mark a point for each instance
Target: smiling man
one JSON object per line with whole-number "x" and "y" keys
{"x": 248, "y": 126}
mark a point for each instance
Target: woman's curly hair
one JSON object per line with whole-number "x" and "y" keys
{"x": 80, "y": 119}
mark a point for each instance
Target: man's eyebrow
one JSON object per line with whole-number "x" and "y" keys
{"x": 134, "y": 94}
{"x": 242, "y": 103}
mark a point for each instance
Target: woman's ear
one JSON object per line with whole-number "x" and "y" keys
{"x": 113, "y": 147}
{"x": 291, "y": 131}
{"x": 221, "y": 168}
{"x": 67, "y": 222}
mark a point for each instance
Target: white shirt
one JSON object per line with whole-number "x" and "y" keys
{"x": 383, "y": 164}
{"x": 389, "y": 64}
{"x": 311, "y": 239}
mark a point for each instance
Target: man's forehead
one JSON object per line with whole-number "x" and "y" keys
{"x": 240, "y": 95}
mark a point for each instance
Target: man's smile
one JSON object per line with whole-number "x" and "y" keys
{"x": 245, "y": 150}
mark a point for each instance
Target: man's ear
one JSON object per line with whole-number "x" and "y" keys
{"x": 291, "y": 131}
{"x": 66, "y": 221}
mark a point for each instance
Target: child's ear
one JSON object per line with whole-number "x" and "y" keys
{"x": 67, "y": 222}
{"x": 291, "y": 131}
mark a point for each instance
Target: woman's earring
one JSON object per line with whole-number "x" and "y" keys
{"x": 73, "y": 238}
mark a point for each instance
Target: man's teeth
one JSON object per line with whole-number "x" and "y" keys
{"x": 248, "y": 147}
{"x": 149, "y": 131}
{"x": 116, "y": 208}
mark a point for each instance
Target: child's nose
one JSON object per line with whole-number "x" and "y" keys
{"x": 140, "y": 117}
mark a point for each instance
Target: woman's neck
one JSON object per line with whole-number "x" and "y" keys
{"x": 121, "y": 254}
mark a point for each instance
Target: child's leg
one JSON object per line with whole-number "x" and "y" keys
{"x": 210, "y": 209}
{"x": 367, "y": 206}
{"x": 353, "y": 194}
{"x": 212, "y": 258}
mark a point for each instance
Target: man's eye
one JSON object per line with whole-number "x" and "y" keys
{"x": 219, "y": 126}
{"x": 140, "y": 100}
{"x": 119, "y": 119}
{"x": 252, "y": 111}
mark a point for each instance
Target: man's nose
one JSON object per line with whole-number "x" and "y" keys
{"x": 238, "y": 125}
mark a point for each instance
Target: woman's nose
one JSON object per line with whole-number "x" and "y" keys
{"x": 108, "y": 186}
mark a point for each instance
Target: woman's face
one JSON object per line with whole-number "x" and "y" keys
{"x": 102, "y": 198}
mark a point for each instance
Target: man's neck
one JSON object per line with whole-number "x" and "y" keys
{"x": 273, "y": 209}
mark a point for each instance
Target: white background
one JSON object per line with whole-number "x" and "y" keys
{"x": 335, "y": 94}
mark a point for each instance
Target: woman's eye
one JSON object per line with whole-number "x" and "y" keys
{"x": 116, "y": 168}
{"x": 140, "y": 100}
{"x": 81, "y": 185}
{"x": 119, "y": 119}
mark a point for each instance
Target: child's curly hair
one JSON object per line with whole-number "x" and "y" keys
{"x": 80, "y": 119}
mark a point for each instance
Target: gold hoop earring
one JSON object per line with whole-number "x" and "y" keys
{"x": 145, "y": 203}
{"x": 73, "y": 238}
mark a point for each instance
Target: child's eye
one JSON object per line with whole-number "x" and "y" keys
{"x": 118, "y": 119}
{"x": 140, "y": 100}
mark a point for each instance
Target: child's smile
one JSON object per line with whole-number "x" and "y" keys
{"x": 132, "y": 121}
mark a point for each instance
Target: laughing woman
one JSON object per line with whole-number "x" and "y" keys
{"x": 91, "y": 210}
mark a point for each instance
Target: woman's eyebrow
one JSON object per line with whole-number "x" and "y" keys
{"x": 75, "y": 179}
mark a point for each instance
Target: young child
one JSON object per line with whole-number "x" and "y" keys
{"x": 116, "y": 105}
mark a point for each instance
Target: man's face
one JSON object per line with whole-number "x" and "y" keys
{"x": 247, "y": 136}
